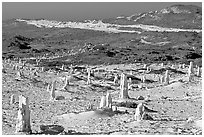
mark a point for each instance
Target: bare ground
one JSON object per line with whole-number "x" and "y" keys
{"x": 174, "y": 103}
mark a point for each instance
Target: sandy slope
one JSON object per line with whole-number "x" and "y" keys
{"x": 100, "y": 26}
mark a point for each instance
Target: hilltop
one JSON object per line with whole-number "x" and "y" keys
{"x": 175, "y": 16}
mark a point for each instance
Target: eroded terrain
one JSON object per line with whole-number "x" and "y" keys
{"x": 174, "y": 103}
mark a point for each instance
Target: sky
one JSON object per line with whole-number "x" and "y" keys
{"x": 78, "y": 11}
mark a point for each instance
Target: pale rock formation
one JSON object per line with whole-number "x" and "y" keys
{"x": 148, "y": 69}
{"x": 62, "y": 68}
{"x": 48, "y": 87}
{"x": 129, "y": 83}
{"x": 191, "y": 119}
{"x": 90, "y": 106}
{"x": 129, "y": 86}
{"x": 183, "y": 66}
{"x": 166, "y": 78}
{"x": 139, "y": 111}
{"x": 143, "y": 79}
{"x": 35, "y": 73}
{"x": 191, "y": 67}
{"x": 172, "y": 66}
{"x": 23, "y": 120}
{"x": 66, "y": 84}
{"x": 103, "y": 102}
{"x": 140, "y": 86}
{"x": 14, "y": 67}
{"x": 52, "y": 92}
{"x": 108, "y": 100}
{"x": 145, "y": 66}
{"x": 180, "y": 66}
{"x": 114, "y": 108}
{"x": 162, "y": 79}
{"x": 115, "y": 79}
{"x": 42, "y": 69}
{"x": 12, "y": 99}
{"x": 190, "y": 72}
{"x": 123, "y": 87}
{"x": 19, "y": 62}
{"x": 89, "y": 75}
{"x": 198, "y": 72}
{"x": 19, "y": 75}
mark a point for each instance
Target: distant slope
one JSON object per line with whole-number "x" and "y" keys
{"x": 171, "y": 19}
{"x": 176, "y": 16}
{"x": 172, "y": 34}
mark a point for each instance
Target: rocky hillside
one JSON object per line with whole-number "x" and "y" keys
{"x": 176, "y": 16}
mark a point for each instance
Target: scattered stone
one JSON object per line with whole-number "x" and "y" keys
{"x": 163, "y": 97}
{"x": 89, "y": 107}
{"x": 162, "y": 79}
{"x": 48, "y": 87}
{"x": 123, "y": 87}
{"x": 190, "y": 120}
{"x": 172, "y": 66}
{"x": 114, "y": 108}
{"x": 3, "y": 70}
{"x": 14, "y": 67}
{"x": 62, "y": 68}
{"x": 198, "y": 72}
{"x": 145, "y": 66}
{"x": 66, "y": 84}
{"x": 23, "y": 120}
{"x": 183, "y": 66}
{"x": 148, "y": 69}
{"x": 115, "y": 79}
{"x": 129, "y": 86}
{"x": 89, "y": 75}
{"x": 139, "y": 111}
{"x": 52, "y": 92}
{"x": 131, "y": 73}
{"x": 145, "y": 116}
{"x": 51, "y": 129}
{"x": 18, "y": 76}
{"x": 103, "y": 102}
{"x": 35, "y": 73}
{"x": 12, "y": 99}
{"x": 42, "y": 69}
{"x": 108, "y": 100}
{"x": 140, "y": 98}
{"x": 130, "y": 81}
{"x": 19, "y": 61}
{"x": 190, "y": 73}
{"x": 191, "y": 67}
{"x": 59, "y": 98}
{"x": 143, "y": 79}
{"x": 147, "y": 99}
{"x": 166, "y": 78}
{"x": 140, "y": 86}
